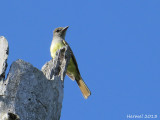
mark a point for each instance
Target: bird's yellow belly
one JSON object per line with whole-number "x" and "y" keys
{"x": 71, "y": 66}
{"x": 54, "y": 48}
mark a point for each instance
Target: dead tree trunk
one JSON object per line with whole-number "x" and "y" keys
{"x": 31, "y": 94}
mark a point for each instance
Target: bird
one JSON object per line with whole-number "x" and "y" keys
{"x": 72, "y": 70}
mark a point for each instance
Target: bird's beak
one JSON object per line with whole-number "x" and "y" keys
{"x": 65, "y": 28}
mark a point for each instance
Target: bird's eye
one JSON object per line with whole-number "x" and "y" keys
{"x": 57, "y": 30}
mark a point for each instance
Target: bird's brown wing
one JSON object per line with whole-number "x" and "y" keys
{"x": 74, "y": 60}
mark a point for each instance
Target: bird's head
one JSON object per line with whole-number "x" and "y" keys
{"x": 60, "y": 32}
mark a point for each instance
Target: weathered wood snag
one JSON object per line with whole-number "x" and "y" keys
{"x": 28, "y": 93}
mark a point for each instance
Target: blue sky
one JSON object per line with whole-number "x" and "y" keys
{"x": 116, "y": 44}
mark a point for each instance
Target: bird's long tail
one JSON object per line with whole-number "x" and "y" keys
{"x": 84, "y": 89}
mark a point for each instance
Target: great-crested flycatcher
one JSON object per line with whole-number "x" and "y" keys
{"x": 72, "y": 70}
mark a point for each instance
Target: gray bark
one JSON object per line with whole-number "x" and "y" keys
{"x": 31, "y": 94}
{"x": 4, "y": 49}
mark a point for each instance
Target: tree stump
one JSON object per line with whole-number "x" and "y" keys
{"x": 29, "y": 93}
